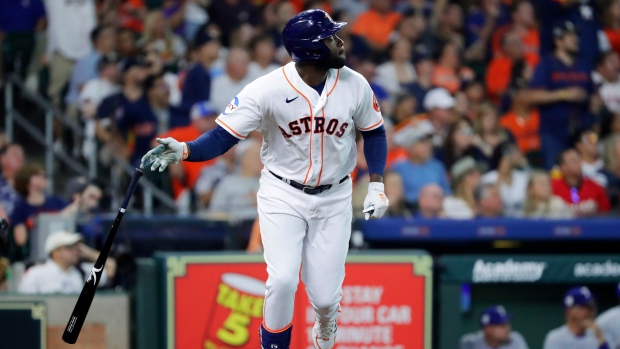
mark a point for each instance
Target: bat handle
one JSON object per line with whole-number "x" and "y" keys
{"x": 132, "y": 186}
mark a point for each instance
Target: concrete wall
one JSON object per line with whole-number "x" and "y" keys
{"x": 107, "y": 325}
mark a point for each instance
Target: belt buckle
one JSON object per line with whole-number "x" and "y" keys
{"x": 311, "y": 190}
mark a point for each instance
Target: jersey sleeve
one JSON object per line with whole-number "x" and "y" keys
{"x": 368, "y": 114}
{"x": 243, "y": 114}
{"x": 540, "y": 79}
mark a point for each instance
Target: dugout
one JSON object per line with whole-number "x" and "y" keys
{"x": 531, "y": 287}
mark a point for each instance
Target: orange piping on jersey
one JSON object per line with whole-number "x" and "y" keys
{"x": 278, "y": 331}
{"x": 335, "y": 82}
{"x": 311, "y": 121}
{"x": 368, "y": 128}
{"x": 230, "y": 129}
{"x": 322, "y": 142}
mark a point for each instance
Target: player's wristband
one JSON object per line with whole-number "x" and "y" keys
{"x": 376, "y": 186}
{"x": 185, "y": 151}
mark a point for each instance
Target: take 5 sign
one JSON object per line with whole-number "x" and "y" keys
{"x": 216, "y": 302}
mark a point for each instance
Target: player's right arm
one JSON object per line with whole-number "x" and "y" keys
{"x": 242, "y": 116}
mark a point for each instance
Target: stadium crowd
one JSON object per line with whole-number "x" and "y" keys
{"x": 493, "y": 108}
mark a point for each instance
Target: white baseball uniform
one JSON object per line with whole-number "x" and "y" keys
{"x": 307, "y": 138}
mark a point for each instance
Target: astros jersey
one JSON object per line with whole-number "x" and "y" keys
{"x": 307, "y": 137}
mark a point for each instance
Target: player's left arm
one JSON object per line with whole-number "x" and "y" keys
{"x": 369, "y": 121}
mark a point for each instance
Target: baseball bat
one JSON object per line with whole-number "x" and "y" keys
{"x": 74, "y": 326}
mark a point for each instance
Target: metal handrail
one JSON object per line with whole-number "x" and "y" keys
{"x": 46, "y": 139}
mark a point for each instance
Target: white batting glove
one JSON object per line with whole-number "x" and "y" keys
{"x": 170, "y": 151}
{"x": 376, "y": 203}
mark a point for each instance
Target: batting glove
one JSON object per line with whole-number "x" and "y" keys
{"x": 376, "y": 203}
{"x": 169, "y": 151}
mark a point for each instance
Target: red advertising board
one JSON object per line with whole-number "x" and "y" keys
{"x": 216, "y": 302}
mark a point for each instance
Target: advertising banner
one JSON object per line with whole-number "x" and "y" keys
{"x": 531, "y": 268}
{"x": 216, "y": 302}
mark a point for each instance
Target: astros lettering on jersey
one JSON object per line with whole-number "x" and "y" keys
{"x": 307, "y": 137}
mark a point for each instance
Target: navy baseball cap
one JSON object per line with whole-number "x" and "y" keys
{"x": 495, "y": 315}
{"x": 578, "y": 296}
{"x": 203, "y": 110}
{"x": 564, "y": 28}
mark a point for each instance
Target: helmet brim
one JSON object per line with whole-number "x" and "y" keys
{"x": 330, "y": 32}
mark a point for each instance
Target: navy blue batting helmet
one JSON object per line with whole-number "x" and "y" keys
{"x": 303, "y": 33}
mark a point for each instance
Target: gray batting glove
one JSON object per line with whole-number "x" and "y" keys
{"x": 170, "y": 151}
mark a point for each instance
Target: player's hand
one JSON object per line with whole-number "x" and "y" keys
{"x": 169, "y": 151}
{"x": 376, "y": 203}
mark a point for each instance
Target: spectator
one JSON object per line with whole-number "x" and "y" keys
{"x": 508, "y": 163}
{"x": 18, "y": 22}
{"x": 522, "y": 121}
{"x": 263, "y": 56}
{"x": 100, "y": 87}
{"x": 404, "y": 107}
{"x": 540, "y": 201}
{"x": 479, "y": 25}
{"x": 11, "y": 161}
{"x": 376, "y": 25}
{"x": 116, "y": 106}
{"x": 394, "y": 190}
{"x": 83, "y": 195}
{"x": 147, "y": 117}
{"x": 62, "y": 272}
{"x": 560, "y": 87}
{"x": 524, "y": 26}
{"x": 465, "y": 176}
{"x": 611, "y": 167}
{"x": 235, "y": 197}
{"x": 580, "y": 329}
{"x": 586, "y": 145}
{"x": 103, "y": 39}
{"x": 495, "y": 332}
{"x": 581, "y": 13}
{"x": 70, "y": 23}
{"x": 399, "y": 70}
{"x": 609, "y": 322}
{"x": 31, "y": 185}
{"x": 438, "y": 104}
{"x": 611, "y": 23}
{"x": 234, "y": 80}
{"x": 185, "y": 174}
{"x": 448, "y": 72}
{"x": 159, "y": 37}
{"x": 449, "y": 26}
{"x": 489, "y": 133}
{"x": 197, "y": 82}
{"x": 607, "y": 77}
{"x": 583, "y": 195}
{"x": 368, "y": 69}
{"x": 459, "y": 143}
{"x": 474, "y": 93}
{"x": 424, "y": 67}
{"x": 421, "y": 168}
{"x": 126, "y": 43}
{"x": 430, "y": 202}
{"x": 498, "y": 74}
{"x": 211, "y": 176}
{"x": 196, "y": 17}
{"x": 413, "y": 28}
{"x": 488, "y": 201}
{"x": 231, "y": 14}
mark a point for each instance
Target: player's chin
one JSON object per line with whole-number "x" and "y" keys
{"x": 339, "y": 61}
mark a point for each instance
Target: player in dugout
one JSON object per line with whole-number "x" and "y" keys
{"x": 307, "y": 112}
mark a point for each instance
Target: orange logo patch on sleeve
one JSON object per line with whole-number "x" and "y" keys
{"x": 375, "y": 103}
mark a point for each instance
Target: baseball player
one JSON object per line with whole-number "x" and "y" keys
{"x": 495, "y": 333}
{"x": 581, "y": 330}
{"x": 307, "y": 112}
{"x": 609, "y": 322}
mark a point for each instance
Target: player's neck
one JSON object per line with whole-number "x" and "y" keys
{"x": 576, "y": 328}
{"x": 311, "y": 74}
